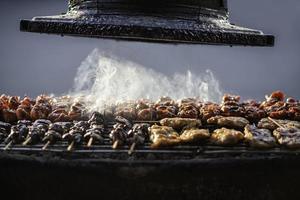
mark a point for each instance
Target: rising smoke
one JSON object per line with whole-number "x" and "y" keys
{"x": 101, "y": 79}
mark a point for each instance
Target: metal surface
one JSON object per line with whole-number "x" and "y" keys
{"x": 195, "y": 172}
{"x": 169, "y": 21}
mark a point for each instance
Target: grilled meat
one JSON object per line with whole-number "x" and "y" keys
{"x": 94, "y": 135}
{"x": 139, "y": 134}
{"x": 259, "y": 138}
{"x": 231, "y": 106}
{"x": 209, "y": 110}
{"x": 188, "y": 110}
{"x": 230, "y": 122}
{"x": 265, "y": 123}
{"x": 288, "y": 137}
{"x": 226, "y": 137}
{"x": 163, "y": 136}
{"x": 194, "y": 135}
{"x": 180, "y": 123}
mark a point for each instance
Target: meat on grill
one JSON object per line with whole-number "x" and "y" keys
{"x": 163, "y": 136}
{"x": 265, "y": 123}
{"x": 226, "y": 137}
{"x": 180, "y": 123}
{"x": 288, "y": 137}
{"x": 139, "y": 134}
{"x": 194, "y": 135}
{"x": 230, "y": 122}
{"x": 259, "y": 138}
{"x": 209, "y": 110}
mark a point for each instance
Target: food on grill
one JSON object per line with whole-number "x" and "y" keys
{"x": 37, "y": 132}
{"x": 77, "y": 112}
{"x": 24, "y": 109}
{"x": 75, "y": 136}
{"x": 288, "y": 137}
{"x": 194, "y": 135}
{"x": 253, "y": 112}
{"x": 4, "y": 130}
{"x": 188, "y": 110}
{"x": 119, "y": 134}
{"x": 138, "y": 135}
{"x": 126, "y": 110}
{"x": 231, "y": 106}
{"x": 165, "y": 111}
{"x": 147, "y": 114}
{"x": 17, "y": 135}
{"x": 42, "y": 108}
{"x": 209, "y": 110}
{"x": 259, "y": 138}
{"x": 94, "y": 135}
{"x": 266, "y": 123}
{"x": 226, "y": 137}
{"x": 230, "y": 122}
{"x": 276, "y": 108}
{"x": 181, "y": 123}
{"x": 163, "y": 136}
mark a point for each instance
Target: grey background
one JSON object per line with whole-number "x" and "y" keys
{"x": 33, "y": 63}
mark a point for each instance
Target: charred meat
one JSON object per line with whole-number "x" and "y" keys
{"x": 226, "y": 137}
{"x": 259, "y": 138}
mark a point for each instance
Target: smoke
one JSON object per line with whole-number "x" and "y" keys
{"x": 103, "y": 78}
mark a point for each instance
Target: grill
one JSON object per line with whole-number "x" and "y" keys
{"x": 183, "y": 172}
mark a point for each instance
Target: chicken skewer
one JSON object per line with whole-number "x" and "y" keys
{"x": 138, "y": 135}
{"x": 119, "y": 133}
{"x": 37, "y": 132}
{"x": 75, "y": 136}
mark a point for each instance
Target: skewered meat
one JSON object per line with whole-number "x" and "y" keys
{"x": 265, "y": 123}
{"x": 259, "y": 138}
{"x": 4, "y": 130}
{"x": 75, "y": 136}
{"x": 41, "y": 109}
{"x": 209, "y": 110}
{"x": 18, "y": 134}
{"x": 194, "y": 135}
{"x": 231, "y": 107}
{"x": 97, "y": 118}
{"x": 230, "y": 122}
{"x": 165, "y": 111}
{"x": 13, "y": 102}
{"x": 77, "y": 112}
{"x": 188, "y": 111}
{"x": 226, "y": 137}
{"x": 94, "y": 134}
{"x": 288, "y": 137}
{"x": 147, "y": 114}
{"x": 52, "y": 137}
{"x": 163, "y": 136}
{"x": 118, "y": 135}
{"x": 123, "y": 121}
{"x": 180, "y": 123}
{"x": 165, "y": 101}
{"x": 24, "y": 109}
{"x": 126, "y": 110}
{"x": 9, "y": 115}
{"x": 139, "y": 134}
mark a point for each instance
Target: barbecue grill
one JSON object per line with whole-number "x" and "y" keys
{"x": 199, "y": 171}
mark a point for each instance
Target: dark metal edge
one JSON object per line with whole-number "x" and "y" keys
{"x": 157, "y": 35}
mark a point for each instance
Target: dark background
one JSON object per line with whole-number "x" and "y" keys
{"x": 33, "y": 63}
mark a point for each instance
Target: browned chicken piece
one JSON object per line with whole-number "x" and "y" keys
{"x": 209, "y": 110}
{"x": 230, "y": 122}
{"x": 181, "y": 123}
{"x": 268, "y": 124}
{"x": 259, "y": 138}
{"x": 288, "y": 137}
{"x": 231, "y": 106}
{"x": 166, "y": 111}
{"x": 163, "y": 136}
{"x": 188, "y": 111}
{"x": 226, "y": 137}
{"x": 194, "y": 135}
{"x": 147, "y": 114}
{"x": 165, "y": 101}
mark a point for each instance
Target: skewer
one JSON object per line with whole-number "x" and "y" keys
{"x": 131, "y": 150}
{"x": 90, "y": 142}
{"x": 275, "y": 122}
{"x": 70, "y": 147}
{"x": 8, "y": 145}
{"x": 26, "y": 141}
{"x": 115, "y": 145}
{"x": 46, "y": 145}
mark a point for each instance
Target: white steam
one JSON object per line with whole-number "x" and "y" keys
{"x": 101, "y": 79}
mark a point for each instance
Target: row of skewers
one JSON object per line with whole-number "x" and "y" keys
{"x": 68, "y": 109}
{"x": 168, "y": 132}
